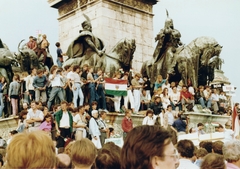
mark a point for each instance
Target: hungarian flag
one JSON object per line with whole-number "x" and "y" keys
{"x": 116, "y": 87}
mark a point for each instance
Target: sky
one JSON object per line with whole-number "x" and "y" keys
{"x": 193, "y": 18}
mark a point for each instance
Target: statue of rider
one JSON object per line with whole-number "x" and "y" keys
{"x": 86, "y": 46}
{"x": 168, "y": 37}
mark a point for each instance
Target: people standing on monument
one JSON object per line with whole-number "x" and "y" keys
{"x": 136, "y": 91}
{"x": 60, "y": 55}
{"x": 44, "y": 44}
{"x": 127, "y": 124}
{"x": 40, "y": 84}
{"x": 117, "y": 99}
{"x": 13, "y": 94}
{"x": 91, "y": 84}
{"x": 129, "y": 97}
{"x": 56, "y": 81}
{"x": 147, "y": 86}
{"x": 85, "y": 82}
{"x": 100, "y": 89}
{"x": 29, "y": 84}
{"x": 145, "y": 100}
{"x": 76, "y": 86}
{"x": 32, "y": 44}
{"x": 3, "y": 84}
{"x": 69, "y": 93}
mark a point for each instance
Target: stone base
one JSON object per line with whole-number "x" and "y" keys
{"x": 7, "y": 125}
{"x": 205, "y": 117}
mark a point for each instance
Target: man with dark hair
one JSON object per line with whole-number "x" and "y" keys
{"x": 217, "y": 147}
{"x": 207, "y": 145}
{"x": 199, "y": 129}
{"x": 186, "y": 149}
{"x": 60, "y": 55}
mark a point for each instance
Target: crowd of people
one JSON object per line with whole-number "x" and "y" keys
{"x": 145, "y": 146}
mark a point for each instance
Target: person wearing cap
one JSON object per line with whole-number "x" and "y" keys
{"x": 94, "y": 130}
{"x": 32, "y": 44}
{"x": 136, "y": 91}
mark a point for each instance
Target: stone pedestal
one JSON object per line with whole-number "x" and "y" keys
{"x": 111, "y": 20}
{"x": 7, "y": 125}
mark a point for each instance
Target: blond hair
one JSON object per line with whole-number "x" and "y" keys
{"x": 31, "y": 150}
{"x": 83, "y": 153}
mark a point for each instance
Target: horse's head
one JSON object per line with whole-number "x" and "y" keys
{"x": 124, "y": 50}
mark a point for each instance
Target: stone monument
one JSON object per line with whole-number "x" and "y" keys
{"x": 111, "y": 21}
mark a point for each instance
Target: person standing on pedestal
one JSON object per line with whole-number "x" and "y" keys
{"x": 80, "y": 123}
{"x": 103, "y": 127}
{"x": 136, "y": 91}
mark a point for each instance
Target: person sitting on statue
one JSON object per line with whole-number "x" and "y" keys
{"x": 200, "y": 97}
{"x": 215, "y": 101}
{"x": 207, "y": 96}
{"x": 187, "y": 99}
{"x": 44, "y": 44}
{"x": 32, "y": 44}
{"x": 175, "y": 99}
{"x": 160, "y": 81}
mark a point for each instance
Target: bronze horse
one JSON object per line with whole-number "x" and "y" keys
{"x": 119, "y": 57}
{"x": 190, "y": 62}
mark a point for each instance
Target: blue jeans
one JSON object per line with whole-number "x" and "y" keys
{"x": 59, "y": 63}
{"x": 1, "y": 104}
{"x": 92, "y": 92}
{"x": 101, "y": 95}
{"x": 78, "y": 93}
{"x": 204, "y": 102}
{"x": 56, "y": 91}
{"x": 179, "y": 105}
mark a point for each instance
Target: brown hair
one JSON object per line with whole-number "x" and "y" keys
{"x": 149, "y": 111}
{"x": 217, "y": 147}
{"x": 185, "y": 148}
{"x": 140, "y": 140}
{"x": 31, "y": 150}
{"x": 108, "y": 157}
{"x": 83, "y": 153}
{"x": 213, "y": 161}
{"x": 201, "y": 152}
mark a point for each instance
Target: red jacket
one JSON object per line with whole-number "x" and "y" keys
{"x": 127, "y": 124}
{"x": 186, "y": 95}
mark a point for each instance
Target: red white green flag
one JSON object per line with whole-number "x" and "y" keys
{"x": 116, "y": 87}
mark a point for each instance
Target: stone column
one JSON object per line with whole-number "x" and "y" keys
{"x": 111, "y": 21}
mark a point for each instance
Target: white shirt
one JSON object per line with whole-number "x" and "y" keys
{"x": 75, "y": 77}
{"x": 29, "y": 82}
{"x": 215, "y": 97}
{"x": 148, "y": 121}
{"x": 64, "y": 122}
{"x": 79, "y": 120}
{"x": 175, "y": 97}
{"x": 228, "y": 135}
{"x": 56, "y": 81}
{"x": 186, "y": 164}
{"x": 69, "y": 74}
{"x": 37, "y": 114}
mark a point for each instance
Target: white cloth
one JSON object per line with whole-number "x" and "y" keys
{"x": 128, "y": 98}
{"x": 97, "y": 142}
{"x": 175, "y": 97}
{"x": 228, "y": 135}
{"x": 165, "y": 101}
{"x": 64, "y": 122}
{"x": 148, "y": 121}
{"x": 186, "y": 164}
{"x": 29, "y": 82}
{"x": 117, "y": 103}
{"x": 136, "y": 95}
{"x": 93, "y": 128}
{"x": 75, "y": 77}
{"x": 79, "y": 121}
